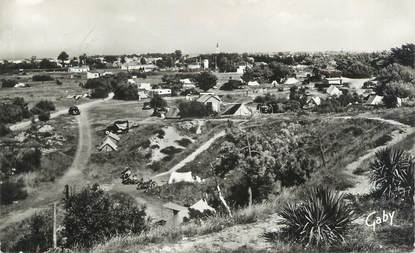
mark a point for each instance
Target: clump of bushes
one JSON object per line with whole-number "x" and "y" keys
{"x": 44, "y": 115}
{"x": 41, "y": 78}
{"x": 126, "y": 92}
{"x": 11, "y": 191}
{"x": 8, "y": 83}
{"x": 322, "y": 219}
{"x": 231, "y": 85}
{"x": 14, "y": 111}
{"x": 184, "y": 142}
{"x": 4, "y": 130}
{"x": 43, "y": 106}
{"x": 171, "y": 150}
{"x": 193, "y": 109}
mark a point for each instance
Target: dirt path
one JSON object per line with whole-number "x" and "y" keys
{"x": 362, "y": 185}
{"x": 193, "y": 155}
{"x": 231, "y": 238}
{"x": 46, "y": 196}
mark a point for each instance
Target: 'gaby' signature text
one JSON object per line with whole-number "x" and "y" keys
{"x": 372, "y": 220}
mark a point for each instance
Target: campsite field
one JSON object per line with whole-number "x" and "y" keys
{"x": 49, "y": 90}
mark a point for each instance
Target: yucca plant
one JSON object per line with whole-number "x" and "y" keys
{"x": 392, "y": 173}
{"x": 321, "y": 219}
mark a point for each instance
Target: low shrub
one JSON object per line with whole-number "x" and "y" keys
{"x": 8, "y": 83}
{"x": 322, "y": 218}
{"x": 41, "y": 78}
{"x": 11, "y": 191}
{"x": 44, "y": 115}
{"x": 184, "y": 142}
{"x": 171, "y": 150}
{"x": 4, "y": 130}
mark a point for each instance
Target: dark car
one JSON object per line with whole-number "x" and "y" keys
{"x": 74, "y": 110}
{"x": 146, "y": 106}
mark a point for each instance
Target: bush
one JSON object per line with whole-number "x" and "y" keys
{"x": 58, "y": 82}
{"x": 158, "y": 102}
{"x": 322, "y": 219}
{"x": 12, "y": 191}
{"x": 8, "y": 83}
{"x": 4, "y": 130}
{"x": 99, "y": 92}
{"x": 126, "y": 92}
{"x": 392, "y": 173}
{"x": 14, "y": 111}
{"x": 41, "y": 78}
{"x": 193, "y": 109}
{"x": 231, "y": 85}
{"x": 93, "y": 216}
{"x": 44, "y": 115}
{"x": 43, "y": 106}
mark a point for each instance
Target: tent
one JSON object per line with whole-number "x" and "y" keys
{"x": 173, "y": 113}
{"x": 253, "y": 83}
{"x": 176, "y": 177}
{"x": 179, "y": 213}
{"x": 313, "y": 101}
{"x": 375, "y": 100}
{"x": 108, "y": 145}
{"x": 333, "y": 91}
{"x": 237, "y": 110}
{"x": 291, "y": 80}
{"x": 115, "y": 138}
{"x": 202, "y": 205}
{"x": 274, "y": 83}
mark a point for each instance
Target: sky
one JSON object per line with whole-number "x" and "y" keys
{"x": 43, "y": 28}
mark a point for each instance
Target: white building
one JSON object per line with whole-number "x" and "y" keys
{"x": 78, "y": 69}
{"x": 193, "y": 66}
{"x": 144, "y": 86}
{"x": 240, "y": 69}
{"x": 205, "y": 63}
{"x": 92, "y": 75}
{"x": 161, "y": 92}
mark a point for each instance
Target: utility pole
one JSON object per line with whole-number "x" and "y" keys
{"x": 54, "y": 226}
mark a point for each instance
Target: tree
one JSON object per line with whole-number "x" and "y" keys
{"x": 92, "y": 216}
{"x": 63, "y": 56}
{"x": 280, "y": 71}
{"x": 206, "y": 80}
{"x": 82, "y": 59}
{"x": 158, "y": 102}
{"x": 11, "y": 191}
{"x": 193, "y": 109}
{"x": 126, "y": 92}
{"x": 231, "y": 85}
{"x": 143, "y": 60}
{"x": 44, "y": 115}
{"x": 46, "y": 64}
{"x": 178, "y": 54}
{"x": 396, "y": 73}
{"x": 404, "y": 55}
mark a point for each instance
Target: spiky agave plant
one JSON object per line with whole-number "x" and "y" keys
{"x": 392, "y": 173}
{"x": 322, "y": 218}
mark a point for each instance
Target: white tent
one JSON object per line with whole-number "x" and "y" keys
{"x": 202, "y": 205}
{"x": 274, "y": 83}
{"x": 20, "y": 85}
{"x": 333, "y": 91}
{"x": 375, "y": 100}
{"x": 291, "y": 80}
{"x": 237, "y": 110}
{"x": 314, "y": 101}
{"x": 176, "y": 177}
{"x": 108, "y": 145}
{"x": 253, "y": 83}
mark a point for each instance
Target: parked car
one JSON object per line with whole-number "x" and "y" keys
{"x": 146, "y": 106}
{"x": 74, "y": 110}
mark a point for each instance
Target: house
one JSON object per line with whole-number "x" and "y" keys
{"x": 144, "y": 86}
{"x": 291, "y": 80}
{"x": 237, "y": 110}
{"x": 193, "y": 66}
{"x": 187, "y": 84}
{"x": 375, "y": 100}
{"x": 78, "y": 69}
{"x": 210, "y": 100}
{"x": 253, "y": 83}
{"x": 131, "y": 81}
{"x": 333, "y": 91}
{"x": 202, "y": 206}
{"x": 240, "y": 69}
{"x": 142, "y": 94}
{"x": 92, "y": 75}
{"x": 177, "y": 177}
{"x": 173, "y": 113}
{"x": 108, "y": 145}
{"x": 179, "y": 213}
{"x": 335, "y": 80}
{"x": 161, "y": 92}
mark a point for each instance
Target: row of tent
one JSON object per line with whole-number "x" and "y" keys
{"x": 290, "y": 80}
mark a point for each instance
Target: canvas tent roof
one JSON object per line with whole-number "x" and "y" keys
{"x": 333, "y": 90}
{"x": 253, "y": 83}
{"x": 237, "y": 110}
{"x": 291, "y": 80}
{"x": 113, "y": 136}
{"x": 202, "y": 205}
{"x": 176, "y": 177}
{"x": 374, "y": 100}
{"x": 173, "y": 113}
{"x": 315, "y": 99}
{"x": 206, "y": 97}
{"x": 108, "y": 142}
{"x": 274, "y": 82}
{"x": 174, "y": 207}
{"x": 186, "y": 81}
